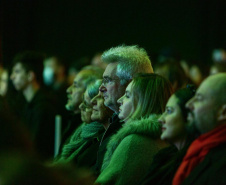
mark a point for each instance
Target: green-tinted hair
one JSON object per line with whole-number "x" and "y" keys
{"x": 150, "y": 94}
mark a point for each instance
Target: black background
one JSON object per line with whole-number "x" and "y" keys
{"x": 73, "y": 29}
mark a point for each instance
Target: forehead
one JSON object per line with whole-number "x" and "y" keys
{"x": 207, "y": 88}
{"x": 110, "y": 70}
{"x": 18, "y": 66}
{"x": 129, "y": 87}
{"x": 172, "y": 102}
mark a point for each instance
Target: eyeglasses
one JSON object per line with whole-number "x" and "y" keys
{"x": 107, "y": 80}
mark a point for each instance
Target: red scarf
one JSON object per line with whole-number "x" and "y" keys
{"x": 198, "y": 150}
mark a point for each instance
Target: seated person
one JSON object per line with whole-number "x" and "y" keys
{"x": 130, "y": 151}
{"x": 174, "y": 122}
{"x": 84, "y": 142}
{"x": 205, "y": 161}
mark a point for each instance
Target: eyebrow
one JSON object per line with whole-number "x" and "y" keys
{"x": 127, "y": 92}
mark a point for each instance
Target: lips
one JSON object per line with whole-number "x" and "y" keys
{"x": 163, "y": 128}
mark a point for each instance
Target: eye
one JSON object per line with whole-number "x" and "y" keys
{"x": 168, "y": 111}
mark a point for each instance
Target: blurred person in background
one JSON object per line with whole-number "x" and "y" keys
{"x": 74, "y": 98}
{"x": 4, "y": 78}
{"x": 81, "y": 148}
{"x": 172, "y": 70}
{"x": 38, "y": 114}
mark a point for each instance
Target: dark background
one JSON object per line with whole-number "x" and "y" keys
{"x": 77, "y": 28}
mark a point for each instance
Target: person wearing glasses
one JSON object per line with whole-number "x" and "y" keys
{"x": 130, "y": 151}
{"x": 123, "y": 63}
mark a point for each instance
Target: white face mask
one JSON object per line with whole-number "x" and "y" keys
{"x": 48, "y": 76}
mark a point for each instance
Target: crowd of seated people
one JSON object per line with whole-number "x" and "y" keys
{"x": 124, "y": 122}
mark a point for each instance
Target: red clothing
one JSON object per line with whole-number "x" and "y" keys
{"x": 198, "y": 150}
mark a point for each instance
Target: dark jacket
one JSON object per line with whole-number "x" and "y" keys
{"x": 130, "y": 152}
{"x": 164, "y": 166}
{"x": 39, "y": 118}
{"x": 81, "y": 148}
{"x": 115, "y": 125}
{"x": 212, "y": 170}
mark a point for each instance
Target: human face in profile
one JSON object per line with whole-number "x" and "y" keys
{"x": 86, "y": 108}
{"x": 100, "y": 112}
{"x": 173, "y": 123}
{"x": 203, "y": 107}
{"x": 111, "y": 88}
{"x": 19, "y": 77}
{"x": 75, "y": 93}
{"x": 126, "y": 104}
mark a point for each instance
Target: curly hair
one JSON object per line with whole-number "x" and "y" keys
{"x": 131, "y": 60}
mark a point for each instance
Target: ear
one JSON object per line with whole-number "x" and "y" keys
{"x": 31, "y": 76}
{"x": 222, "y": 113}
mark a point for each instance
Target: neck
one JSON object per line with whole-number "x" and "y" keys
{"x": 180, "y": 144}
{"x": 30, "y": 91}
{"x": 106, "y": 125}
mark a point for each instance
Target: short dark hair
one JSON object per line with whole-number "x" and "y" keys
{"x": 31, "y": 61}
{"x": 183, "y": 95}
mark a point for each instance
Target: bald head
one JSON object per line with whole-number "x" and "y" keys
{"x": 217, "y": 87}
{"x": 208, "y": 106}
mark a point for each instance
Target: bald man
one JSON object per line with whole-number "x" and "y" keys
{"x": 205, "y": 160}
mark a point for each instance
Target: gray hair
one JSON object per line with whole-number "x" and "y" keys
{"x": 93, "y": 88}
{"x": 131, "y": 60}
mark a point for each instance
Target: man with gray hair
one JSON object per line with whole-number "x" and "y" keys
{"x": 205, "y": 160}
{"x": 124, "y": 62}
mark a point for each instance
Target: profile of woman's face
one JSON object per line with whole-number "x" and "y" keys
{"x": 86, "y": 108}
{"x": 173, "y": 124}
{"x": 100, "y": 112}
{"x": 127, "y": 106}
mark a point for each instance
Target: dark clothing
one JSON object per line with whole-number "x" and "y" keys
{"x": 39, "y": 118}
{"x": 165, "y": 165}
{"x": 81, "y": 148}
{"x": 115, "y": 125}
{"x": 211, "y": 170}
{"x": 74, "y": 121}
{"x": 162, "y": 169}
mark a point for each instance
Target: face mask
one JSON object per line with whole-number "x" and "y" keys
{"x": 48, "y": 76}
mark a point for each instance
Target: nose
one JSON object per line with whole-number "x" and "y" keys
{"x": 69, "y": 89}
{"x": 161, "y": 119}
{"x": 119, "y": 101}
{"x": 102, "y": 88}
{"x": 189, "y": 104}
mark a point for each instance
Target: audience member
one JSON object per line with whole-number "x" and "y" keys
{"x": 205, "y": 162}
{"x": 55, "y": 79}
{"x": 172, "y": 71}
{"x": 174, "y": 122}
{"x": 123, "y": 63}
{"x": 39, "y": 112}
{"x": 85, "y": 139}
{"x": 75, "y": 96}
{"x": 217, "y": 68}
{"x": 130, "y": 151}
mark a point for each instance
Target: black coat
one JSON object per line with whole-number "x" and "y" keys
{"x": 39, "y": 118}
{"x": 115, "y": 125}
{"x": 212, "y": 170}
